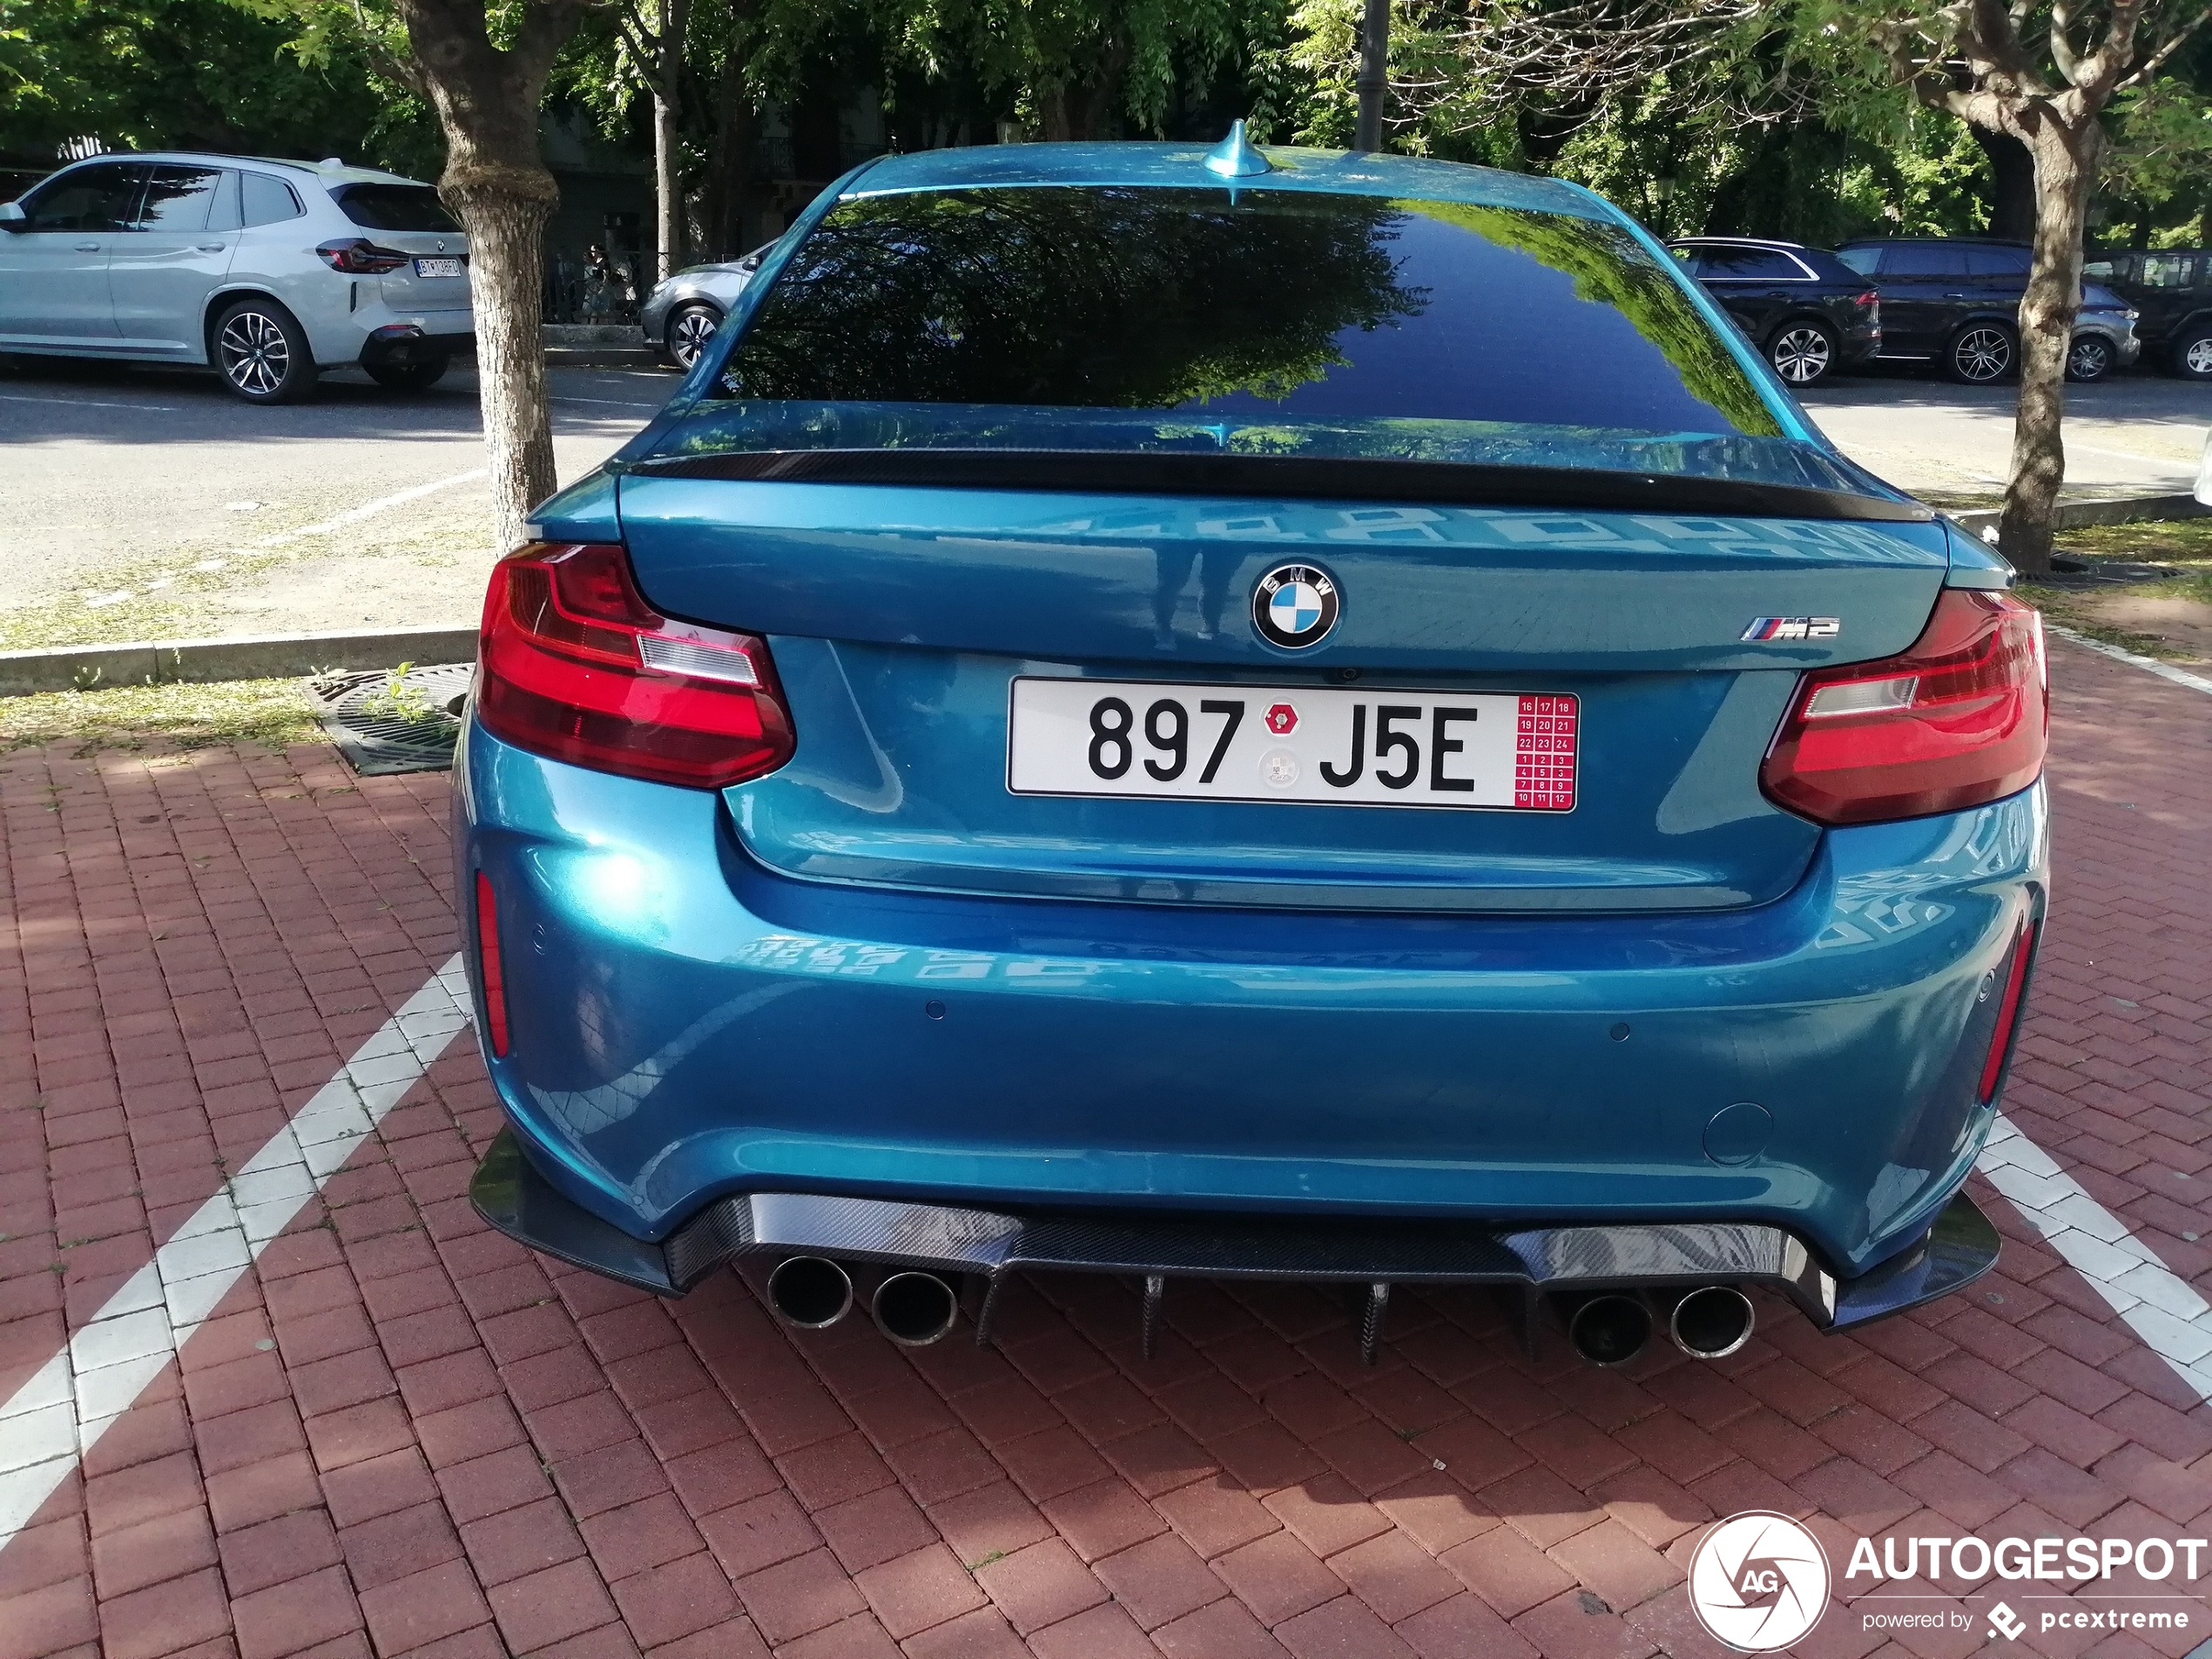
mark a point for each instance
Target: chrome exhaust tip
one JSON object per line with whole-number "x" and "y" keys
{"x": 1712, "y": 1323}
{"x": 810, "y": 1292}
{"x": 1609, "y": 1330}
{"x": 915, "y": 1309}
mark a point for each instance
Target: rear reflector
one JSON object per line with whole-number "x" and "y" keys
{"x": 1957, "y": 721}
{"x": 488, "y": 954}
{"x": 2000, "y": 1039}
{"x": 578, "y": 667}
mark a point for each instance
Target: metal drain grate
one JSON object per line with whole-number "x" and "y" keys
{"x": 386, "y": 723}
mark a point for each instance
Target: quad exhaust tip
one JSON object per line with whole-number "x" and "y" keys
{"x": 1610, "y": 1330}
{"x": 810, "y": 1292}
{"x": 916, "y": 1309}
{"x": 1712, "y": 1323}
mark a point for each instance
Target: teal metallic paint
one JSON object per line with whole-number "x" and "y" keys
{"x": 687, "y": 1024}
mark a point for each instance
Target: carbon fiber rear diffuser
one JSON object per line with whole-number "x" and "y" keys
{"x": 1154, "y": 1247}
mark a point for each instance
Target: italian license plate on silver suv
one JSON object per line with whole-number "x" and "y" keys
{"x": 1177, "y": 741}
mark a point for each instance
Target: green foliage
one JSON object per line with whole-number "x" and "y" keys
{"x": 198, "y": 74}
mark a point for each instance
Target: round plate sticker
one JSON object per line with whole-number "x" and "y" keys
{"x": 1758, "y": 1581}
{"x": 1294, "y": 606}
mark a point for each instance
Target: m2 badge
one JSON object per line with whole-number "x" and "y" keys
{"x": 1793, "y": 628}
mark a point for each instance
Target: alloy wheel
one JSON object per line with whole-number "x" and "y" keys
{"x": 2198, "y": 357}
{"x": 255, "y": 355}
{"x": 687, "y": 338}
{"x": 1802, "y": 355}
{"x": 2088, "y": 360}
{"x": 1982, "y": 354}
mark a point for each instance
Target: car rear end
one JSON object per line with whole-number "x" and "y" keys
{"x": 1853, "y": 304}
{"x": 1123, "y": 720}
{"x": 405, "y": 261}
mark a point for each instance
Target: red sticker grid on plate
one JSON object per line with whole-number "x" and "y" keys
{"x": 1543, "y": 778}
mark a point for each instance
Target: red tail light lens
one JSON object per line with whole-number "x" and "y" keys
{"x": 1957, "y": 720}
{"x": 494, "y": 976}
{"x": 576, "y": 666}
{"x": 358, "y": 256}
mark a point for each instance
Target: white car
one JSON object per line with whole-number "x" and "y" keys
{"x": 268, "y": 272}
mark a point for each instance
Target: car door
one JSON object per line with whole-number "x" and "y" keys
{"x": 53, "y": 263}
{"x": 2167, "y": 288}
{"x": 1755, "y": 284}
{"x": 169, "y": 257}
{"x": 1996, "y": 280}
{"x": 1921, "y": 285}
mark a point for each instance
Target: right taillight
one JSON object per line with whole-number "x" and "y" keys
{"x": 576, "y": 665}
{"x": 1956, "y": 721}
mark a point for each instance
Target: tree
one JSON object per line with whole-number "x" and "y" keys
{"x": 2034, "y": 71}
{"x": 656, "y": 51}
{"x": 482, "y": 66}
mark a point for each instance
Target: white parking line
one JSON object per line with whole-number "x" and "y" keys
{"x": 87, "y": 403}
{"x": 56, "y": 1418}
{"x": 2164, "y": 671}
{"x": 2174, "y": 1321}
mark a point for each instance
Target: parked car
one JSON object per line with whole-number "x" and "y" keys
{"x": 2104, "y": 334}
{"x": 1955, "y": 301}
{"x": 681, "y": 314}
{"x": 267, "y": 271}
{"x": 2171, "y": 288}
{"x": 1146, "y": 720}
{"x": 1808, "y": 312}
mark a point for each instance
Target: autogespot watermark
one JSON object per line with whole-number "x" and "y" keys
{"x": 1759, "y": 1582}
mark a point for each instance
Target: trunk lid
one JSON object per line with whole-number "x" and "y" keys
{"x": 901, "y": 617}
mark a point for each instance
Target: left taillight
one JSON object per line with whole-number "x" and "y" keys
{"x": 358, "y": 256}
{"x": 1957, "y": 721}
{"x": 576, "y": 666}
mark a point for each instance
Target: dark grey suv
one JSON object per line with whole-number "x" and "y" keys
{"x": 1955, "y": 301}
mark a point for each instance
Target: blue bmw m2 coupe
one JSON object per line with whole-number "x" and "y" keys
{"x": 1269, "y": 713}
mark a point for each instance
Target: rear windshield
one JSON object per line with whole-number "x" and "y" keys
{"x": 1267, "y": 322}
{"x": 393, "y": 208}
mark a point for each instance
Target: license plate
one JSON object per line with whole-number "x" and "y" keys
{"x": 445, "y": 267}
{"x": 1511, "y": 751}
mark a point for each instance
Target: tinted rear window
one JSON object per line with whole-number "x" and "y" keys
{"x": 1275, "y": 319}
{"x": 1996, "y": 261}
{"x": 393, "y": 208}
{"x": 1748, "y": 265}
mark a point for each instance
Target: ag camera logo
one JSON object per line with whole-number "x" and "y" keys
{"x": 1758, "y": 1581}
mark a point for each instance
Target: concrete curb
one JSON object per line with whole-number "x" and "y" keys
{"x": 2117, "y": 509}
{"x": 269, "y": 656}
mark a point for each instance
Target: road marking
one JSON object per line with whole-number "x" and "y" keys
{"x": 2174, "y": 1321}
{"x": 2119, "y": 654}
{"x": 87, "y": 403}
{"x": 611, "y": 403}
{"x": 53, "y": 1420}
{"x": 328, "y": 527}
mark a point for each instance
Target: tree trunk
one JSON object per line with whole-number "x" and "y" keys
{"x": 668, "y": 184}
{"x": 2011, "y": 185}
{"x": 667, "y": 216}
{"x": 1374, "y": 79}
{"x": 2066, "y": 171}
{"x": 505, "y": 210}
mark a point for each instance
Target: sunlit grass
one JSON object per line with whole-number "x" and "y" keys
{"x": 270, "y": 712}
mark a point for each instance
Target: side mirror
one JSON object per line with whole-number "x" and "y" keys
{"x": 12, "y": 216}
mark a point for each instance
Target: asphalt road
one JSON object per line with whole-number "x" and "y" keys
{"x": 146, "y": 504}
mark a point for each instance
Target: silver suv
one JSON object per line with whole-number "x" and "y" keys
{"x": 269, "y": 271}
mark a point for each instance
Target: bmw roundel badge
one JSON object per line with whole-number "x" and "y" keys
{"x": 1294, "y": 606}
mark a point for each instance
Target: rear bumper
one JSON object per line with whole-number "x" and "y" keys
{"x": 690, "y": 1027}
{"x": 1958, "y": 1248}
{"x": 414, "y": 342}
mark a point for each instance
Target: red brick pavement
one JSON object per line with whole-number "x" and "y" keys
{"x": 402, "y": 1434}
